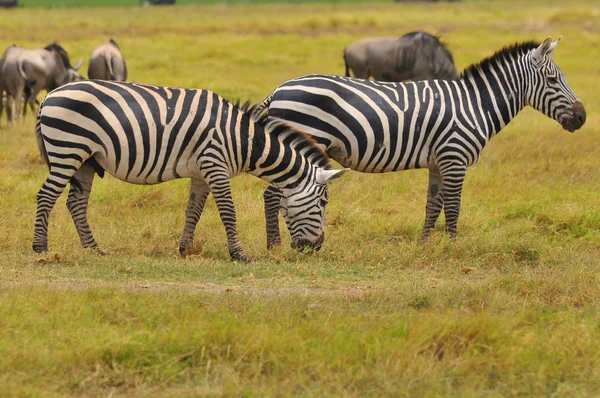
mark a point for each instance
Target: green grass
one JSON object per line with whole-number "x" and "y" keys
{"x": 109, "y": 340}
{"x": 510, "y": 308}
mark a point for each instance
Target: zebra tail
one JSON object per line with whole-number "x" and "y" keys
{"x": 38, "y": 135}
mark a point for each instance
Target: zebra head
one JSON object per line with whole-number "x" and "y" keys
{"x": 551, "y": 94}
{"x": 303, "y": 208}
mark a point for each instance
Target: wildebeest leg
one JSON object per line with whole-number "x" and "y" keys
{"x": 26, "y": 96}
{"x": 10, "y": 104}
{"x": 272, "y": 197}
{"x": 25, "y": 103}
{"x": 32, "y": 102}
{"x": 33, "y": 105}
{"x": 16, "y": 108}
{"x": 435, "y": 202}
{"x": 453, "y": 177}
{"x": 31, "y": 96}
{"x": 77, "y": 203}
{"x": 2, "y": 97}
{"x": 221, "y": 190}
{"x": 198, "y": 193}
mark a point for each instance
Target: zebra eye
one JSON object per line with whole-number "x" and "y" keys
{"x": 552, "y": 80}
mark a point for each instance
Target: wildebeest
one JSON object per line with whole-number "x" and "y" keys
{"x": 107, "y": 63}
{"x": 9, "y": 79}
{"x": 26, "y": 72}
{"x": 414, "y": 56}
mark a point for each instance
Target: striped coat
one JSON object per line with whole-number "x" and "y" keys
{"x": 147, "y": 135}
{"x": 441, "y": 125}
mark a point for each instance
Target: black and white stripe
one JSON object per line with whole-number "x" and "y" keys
{"x": 441, "y": 125}
{"x": 147, "y": 134}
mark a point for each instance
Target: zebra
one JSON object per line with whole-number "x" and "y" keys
{"x": 442, "y": 125}
{"x": 146, "y": 134}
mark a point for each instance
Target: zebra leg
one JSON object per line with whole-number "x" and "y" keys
{"x": 221, "y": 190}
{"x": 453, "y": 178}
{"x": 46, "y": 198}
{"x": 435, "y": 202}
{"x": 272, "y": 198}
{"x": 198, "y": 193}
{"x": 77, "y": 203}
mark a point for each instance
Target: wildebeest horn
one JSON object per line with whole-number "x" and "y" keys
{"x": 76, "y": 67}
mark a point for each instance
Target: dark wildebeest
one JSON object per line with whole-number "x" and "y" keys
{"x": 8, "y": 72}
{"x": 26, "y": 72}
{"x": 58, "y": 71}
{"x": 107, "y": 63}
{"x": 414, "y": 56}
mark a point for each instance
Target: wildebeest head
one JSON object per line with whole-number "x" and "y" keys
{"x": 70, "y": 72}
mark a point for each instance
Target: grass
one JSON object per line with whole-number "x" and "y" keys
{"x": 129, "y": 3}
{"x": 510, "y": 308}
{"x": 109, "y": 340}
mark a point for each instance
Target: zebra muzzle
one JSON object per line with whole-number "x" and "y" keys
{"x": 577, "y": 119}
{"x": 302, "y": 244}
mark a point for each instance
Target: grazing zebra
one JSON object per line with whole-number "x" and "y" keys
{"x": 377, "y": 127}
{"x": 147, "y": 135}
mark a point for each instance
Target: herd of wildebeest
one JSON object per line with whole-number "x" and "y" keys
{"x": 24, "y": 73}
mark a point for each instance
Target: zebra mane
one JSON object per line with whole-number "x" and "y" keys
{"x": 297, "y": 139}
{"x": 247, "y": 107}
{"x": 506, "y": 52}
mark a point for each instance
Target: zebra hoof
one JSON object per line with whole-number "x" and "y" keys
{"x": 240, "y": 258}
{"x": 271, "y": 243}
{"x": 40, "y": 247}
{"x": 189, "y": 250}
{"x": 183, "y": 251}
{"x": 94, "y": 250}
{"x": 452, "y": 235}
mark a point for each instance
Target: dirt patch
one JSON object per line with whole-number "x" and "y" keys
{"x": 79, "y": 285}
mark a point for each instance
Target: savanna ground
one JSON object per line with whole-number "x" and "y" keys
{"x": 510, "y": 308}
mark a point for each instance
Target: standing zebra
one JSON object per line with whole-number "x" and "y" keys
{"x": 147, "y": 135}
{"x": 377, "y": 127}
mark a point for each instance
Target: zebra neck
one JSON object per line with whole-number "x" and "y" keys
{"x": 496, "y": 92}
{"x": 273, "y": 160}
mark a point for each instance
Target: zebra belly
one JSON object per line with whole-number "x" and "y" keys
{"x": 170, "y": 173}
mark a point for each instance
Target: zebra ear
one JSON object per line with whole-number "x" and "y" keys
{"x": 325, "y": 176}
{"x": 539, "y": 53}
{"x": 553, "y": 46}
